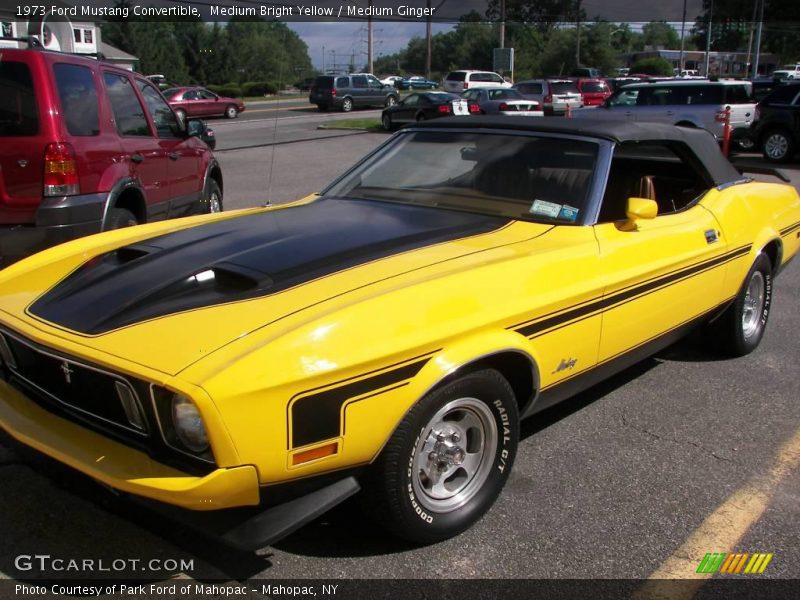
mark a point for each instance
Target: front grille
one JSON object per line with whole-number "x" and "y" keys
{"x": 115, "y": 405}
{"x": 78, "y": 387}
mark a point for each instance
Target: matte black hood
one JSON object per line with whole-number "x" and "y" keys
{"x": 244, "y": 257}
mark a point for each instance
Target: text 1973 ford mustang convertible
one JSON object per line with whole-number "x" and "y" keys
{"x": 389, "y": 333}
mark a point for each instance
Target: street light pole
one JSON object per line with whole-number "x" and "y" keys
{"x": 758, "y": 39}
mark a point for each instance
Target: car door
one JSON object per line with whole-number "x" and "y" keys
{"x": 658, "y": 104}
{"x": 147, "y": 159}
{"x": 621, "y": 106}
{"x": 375, "y": 93}
{"x": 210, "y": 104}
{"x": 664, "y": 272}
{"x": 360, "y": 92}
{"x": 406, "y": 110}
{"x": 183, "y": 153}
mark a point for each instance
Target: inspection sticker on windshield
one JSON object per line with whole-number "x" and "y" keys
{"x": 548, "y": 209}
{"x": 568, "y": 213}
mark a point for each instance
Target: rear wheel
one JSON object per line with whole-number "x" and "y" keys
{"x": 447, "y": 461}
{"x": 386, "y": 121}
{"x": 390, "y": 101}
{"x": 347, "y": 105}
{"x": 117, "y": 218}
{"x": 778, "y": 146}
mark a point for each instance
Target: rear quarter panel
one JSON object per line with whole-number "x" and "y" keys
{"x": 756, "y": 214}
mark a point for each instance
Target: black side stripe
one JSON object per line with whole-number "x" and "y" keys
{"x": 633, "y": 349}
{"x": 791, "y": 228}
{"x": 316, "y": 416}
{"x": 533, "y": 328}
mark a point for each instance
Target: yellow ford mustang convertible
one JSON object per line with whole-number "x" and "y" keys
{"x": 389, "y": 333}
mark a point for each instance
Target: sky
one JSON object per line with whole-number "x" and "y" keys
{"x": 343, "y": 39}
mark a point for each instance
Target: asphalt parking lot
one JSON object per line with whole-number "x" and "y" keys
{"x": 683, "y": 454}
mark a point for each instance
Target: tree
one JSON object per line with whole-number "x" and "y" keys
{"x": 660, "y": 34}
{"x": 652, "y": 66}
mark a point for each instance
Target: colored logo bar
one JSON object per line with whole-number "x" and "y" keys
{"x": 737, "y": 563}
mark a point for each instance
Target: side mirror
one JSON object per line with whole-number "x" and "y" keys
{"x": 199, "y": 129}
{"x": 638, "y": 209}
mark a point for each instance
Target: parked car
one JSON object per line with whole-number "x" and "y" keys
{"x": 614, "y": 83}
{"x": 776, "y": 129}
{"x": 686, "y": 103}
{"x": 553, "y": 95}
{"x": 788, "y": 72}
{"x": 422, "y": 106}
{"x": 86, "y": 147}
{"x": 390, "y": 333}
{"x": 346, "y": 92}
{"x": 391, "y": 80}
{"x": 415, "y": 82}
{"x": 586, "y": 73}
{"x": 198, "y": 102}
{"x": 593, "y": 91}
{"x": 459, "y": 81}
{"x": 500, "y": 101}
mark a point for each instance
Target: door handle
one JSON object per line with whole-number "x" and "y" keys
{"x": 173, "y": 155}
{"x": 137, "y": 158}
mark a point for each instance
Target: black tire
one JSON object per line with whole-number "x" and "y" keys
{"x": 117, "y": 218}
{"x": 231, "y": 112}
{"x": 740, "y": 328}
{"x": 386, "y": 121}
{"x": 390, "y": 101}
{"x": 347, "y": 105}
{"x": 477, "y": 411}
{"x": 212, "y": 198}
{"x": 778, "y": 145}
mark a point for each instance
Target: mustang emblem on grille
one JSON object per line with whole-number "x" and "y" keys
{"x": 67, "y": 370}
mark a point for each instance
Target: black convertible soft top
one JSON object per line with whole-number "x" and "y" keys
{"x": 699, "y": 141}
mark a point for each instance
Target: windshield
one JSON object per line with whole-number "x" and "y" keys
{"x": 537, "y": 178}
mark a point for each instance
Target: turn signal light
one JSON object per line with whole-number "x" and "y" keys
{"x": 60, "y": 170}
{"x": 315, "y": 453}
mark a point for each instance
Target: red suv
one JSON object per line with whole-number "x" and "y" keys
{"x": 86, "y": 146}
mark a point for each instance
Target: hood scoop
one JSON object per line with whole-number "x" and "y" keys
{"x": 243, "y": 257}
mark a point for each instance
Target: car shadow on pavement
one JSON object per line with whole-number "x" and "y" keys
{"x": 49, "y": 509}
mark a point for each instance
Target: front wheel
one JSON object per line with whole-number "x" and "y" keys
{"x": 117, "y": 218}
{"x": 447, "y": 461}
{"x": 741, "y": 327}
{"x": 212, "y": 197}
{"x": 231, "y": 111}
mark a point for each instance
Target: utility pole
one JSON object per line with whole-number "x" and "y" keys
{"x": 750, "y": 42}
{"x": 578, "y": 43}
{"x": 323, "y": 60}
{"x": 369, "y": 39}
{"x": 428, "y": 43}
{"x": 708, "y": 38}
{"x": 758, "y": 38}
{"x": 502, "y": 23}
{"x": 683, "y": 29}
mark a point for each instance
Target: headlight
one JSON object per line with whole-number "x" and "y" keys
{"x": 189, "y": 424}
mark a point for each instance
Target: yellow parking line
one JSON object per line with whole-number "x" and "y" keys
{"x": 723, "y": 529}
